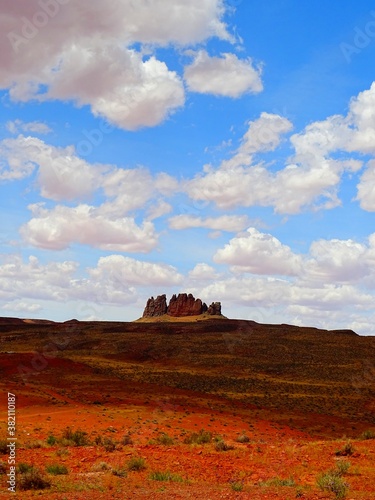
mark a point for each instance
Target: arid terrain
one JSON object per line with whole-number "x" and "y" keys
{"x": 188, "y": 409}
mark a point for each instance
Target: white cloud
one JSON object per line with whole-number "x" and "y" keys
{"x": 22, "y": 306}
{"x": 202, "y": 272}
{"x": 132, "y": 272}
{"x": 259, "y": 253}
{"x": 224, "y": 76}
{"x": 366, "y": 188}
{"x": 80, "y": 51}
{"x": 58, "y": 228}
{"x": 232, "y": 223}
{"x": 16, "y": 126}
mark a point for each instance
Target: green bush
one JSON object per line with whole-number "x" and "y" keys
{"x": 331, "y": 481}
{"x": 347, "y": 450}
{"x": 56, "y": 469}
{"x": 165, "y": 440}
{"x": 223, "y": 446}
{"x": 51, "y": 440}
{"x": 236, "y": 485}
{"x": 202, "y": 437}
{"x": 33, "y": 480}
{"x": 136, "y": 464}
{"x": 100, "y": 467}
{"x": 109, "y": 444}
{"x": 368, "y": 434}
{"x": 22, "y": 468}
{"x": 76, "y": 438}
{"x": 342, "y": 467}
{"x": 119, "y": 472}
{"x": 165, "y": 476}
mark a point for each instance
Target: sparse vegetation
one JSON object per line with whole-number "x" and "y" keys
{"x": 369, "y": 434}
{"x": 33, "y": 480}
{"x": 101, "y": 467}
{"x": 136, "y": 464}
{"x": 331, "y": 481}
{"x": 243, "y": 438}
{"x": 109, "y": 444}
{"x": 23, "y": 467}
{"x": 165, "y": 440}
{"x": 119, "y": 472}
{"x": 236, "y": 485}
{"x": 202, "y": 437}
{"x": 57, "y": 469}
{"x": 223, "y": 446}
{"x": 51, "y": 440}
{"x": 346, "y": 451}
{"x": 74, "y": 438}
{"x": 127, "y": 440}
{"x": 165, "y": 476}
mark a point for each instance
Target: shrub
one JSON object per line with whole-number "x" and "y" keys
{"x": 56, "y": 469}
{"x": 33, "y": 480}
{"x": 119, "y": 472}
{"x": 109, "y": 444}
{"x": 202, "y": 437}
{"x": 331, "y": 481}
{"x": 342, "y": 467}
{"x": 32, "y": 445}
{"x": 136, "y": 464}
{"x": 100, "y": 467}
{"x": 126, "y": 440}
{"x": 22, "y": 468}
{"x": 165, "y": 440}
{"x": 3, "y": 446}
{"x": 51, "y": 440}
{"x": 368, "y": 435}
{"x": 223, "y": 446}
{"x": 77, "y": 438}
{"x": 243, "y": 439}
{"x": 236, "y": 485}
{"x": 347, "y": 450}
{"x": 165, "y": 476}
{"x": 62, "y": 452}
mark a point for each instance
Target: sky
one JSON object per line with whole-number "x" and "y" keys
{"x": 223, "y": 148}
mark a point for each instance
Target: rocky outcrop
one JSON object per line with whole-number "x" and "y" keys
{"x": 180, "y": 305}
{"x": 214, "y": 309}
{"x": 156, "y": 307}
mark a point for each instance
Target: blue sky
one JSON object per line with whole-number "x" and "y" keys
{"x": 223, "y": 148}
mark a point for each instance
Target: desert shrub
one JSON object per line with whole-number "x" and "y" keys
{"x": 109, "y": 444}
{"x": 165, "y": 476}
{"x": 3, "y": 446}
{"x": 126, "y": 440}
{"x": 136, "y": 464}
{"x": 32, "y": 445}
{"x": 342, "y": 467}
{"x": 201, "y": 437}
{"x": 62, "y": 452}
{"x": 333, "y": 482}
{"x": 51, "y": 440}
{"x": 165, "y": 440}
{"x": 76, "y": 438}
{"x": 33, "y": 480}
{"x": 368, "y": 434}
{"x": 223, "y": 446}
{"x": 100, "y": 467}
{"x": 276, "y": 481}
{"x": 119, "y": 472}
{"x": 56, "y": 469}
{"x": 347, "y": 450}
{"x": 236, "y": 485}
{"x": 243, "y": 438}
{"x": 22, "y": 468}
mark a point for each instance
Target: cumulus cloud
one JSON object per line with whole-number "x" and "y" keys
{"x": 366, "y": 188}
{"x": 202, "y": 272}
{"x": 62, "y": 226}
{"x": 223, "y": 76}
{"x": 111, "y": 281}
{"x": 232, "y": 223}
{"x": 16, "y": 126}
{"x": 120, "y": 269}
{"x": 81, "y": 51}
{"x": 259, "y": 253}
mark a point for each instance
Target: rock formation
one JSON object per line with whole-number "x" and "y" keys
{"x": 182, "y": 304}
{"x": 156, "y": 307}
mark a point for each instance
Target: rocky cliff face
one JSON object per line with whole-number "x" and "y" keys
{"x": 180, "y": 305}
{"x": 156, "y": 307}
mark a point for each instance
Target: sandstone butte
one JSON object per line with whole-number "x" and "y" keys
{"x": 181, "y": 305}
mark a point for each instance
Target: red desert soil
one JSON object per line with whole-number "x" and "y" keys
{"x": 294, "y": 393}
